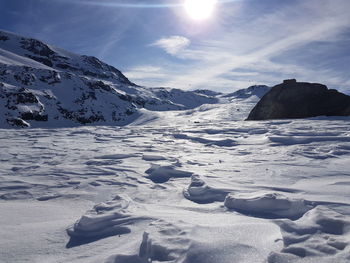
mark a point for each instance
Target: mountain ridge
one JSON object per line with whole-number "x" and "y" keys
{"x": 45, "y": 86}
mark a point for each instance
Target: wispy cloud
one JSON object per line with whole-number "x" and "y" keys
{"x": 141, "y": 72}
{"x": 148, "y": 75}
{"x": 172, "y": 45}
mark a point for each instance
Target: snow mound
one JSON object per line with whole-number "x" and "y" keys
{"x": 198, "y": 191}
{"x": 162, "y": 174}
{"x": 207, "y": 142}
{"x": 16, "y": 195}
{"x": 150, "y": 157}
{"x": 161, "y": 242}
{"x": 295, "y": 140}
{"x": 232, "y": 243}
{"x": 270, "y": 205}
{"x": 104, "y": 220}
{"x": 116, "y": 156}
{"x": 321, "y": 232}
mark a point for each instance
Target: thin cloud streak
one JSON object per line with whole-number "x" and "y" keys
{"x": 146, "y": 71}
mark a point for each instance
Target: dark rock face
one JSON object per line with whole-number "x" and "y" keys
{"x": 36, "y": 116}
{"x": 293, "y": 99}
{"x": 37, "y": 47}
{"x": 3, "y": 38}
{"x": 18, "y": 122}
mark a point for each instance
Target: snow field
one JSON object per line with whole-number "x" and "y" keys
{"x": 152, "y": 193}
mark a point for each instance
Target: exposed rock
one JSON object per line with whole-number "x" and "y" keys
{"x": 99, "y": 85}
{"x": 36, "y": 116}
{"x": 82, "y": 116}
{"x": 21, "y": 97}
{"x": 25, "y": 78}
{"x": 293, "y": 99}
{"x": 45, "y": 61}
{"x": 36, "y": 47}
{"x": 3, "y": 38}
{"x": 17, "y": 122}
{"x": 51, "y": 77}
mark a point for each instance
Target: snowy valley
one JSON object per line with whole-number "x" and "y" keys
{"x": 113, "y": 172}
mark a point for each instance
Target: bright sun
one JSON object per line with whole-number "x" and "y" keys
{"x": 199, "y": 9}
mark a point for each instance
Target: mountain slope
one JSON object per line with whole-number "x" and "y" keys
{"x": 257, "y": 91}
{"x": 44, "y": 86}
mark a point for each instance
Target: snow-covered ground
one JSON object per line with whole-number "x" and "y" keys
{"x": 195, "y": 186}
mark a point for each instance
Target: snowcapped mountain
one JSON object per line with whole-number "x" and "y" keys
{"x": 207, "y": 92}
{"x": 45, "y": 86}
{"x": 257, "y": 91}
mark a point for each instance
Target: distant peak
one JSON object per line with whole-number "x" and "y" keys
{"x": 256, "y": 90}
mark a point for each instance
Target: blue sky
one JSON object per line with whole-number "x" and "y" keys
{"x": 156, "y": 43}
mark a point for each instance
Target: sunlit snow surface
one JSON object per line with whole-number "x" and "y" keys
{"x": 155, "y": 191}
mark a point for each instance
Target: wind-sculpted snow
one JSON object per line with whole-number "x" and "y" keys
{"x": 161, "y": 242}
{"x": 268, "y": 205}
{"x": 291, "y": 140}
{"x": 209, "y": 142}
{"x": 161, "y": 174}
{"x": 105, "y": 219}
{"x": 156, "y": 192}
{"x": 320, "y": 233}
{"x": 198, "y": 191}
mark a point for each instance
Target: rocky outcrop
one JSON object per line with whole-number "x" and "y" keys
{"x": 293, "y": 99}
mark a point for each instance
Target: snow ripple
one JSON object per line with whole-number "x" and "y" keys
{"x": 207, "y": 142}
{"x": 321, "y": 232}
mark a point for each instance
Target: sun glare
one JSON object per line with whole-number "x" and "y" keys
{"x": 199, "y": 9}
